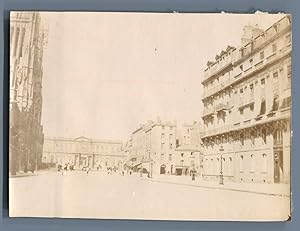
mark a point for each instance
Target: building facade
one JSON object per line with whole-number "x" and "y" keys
{"x": 247, "y": 108}
{"x": 157, "y": 148}
{"x": 27, "y": 42}
{"x": 82, "y": 152}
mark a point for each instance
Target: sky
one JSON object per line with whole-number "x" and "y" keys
{"x": 104, "y": 74}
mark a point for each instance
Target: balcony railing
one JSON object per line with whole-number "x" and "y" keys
{"x": 242, "y": 125}
{"x": 222, "y": 106}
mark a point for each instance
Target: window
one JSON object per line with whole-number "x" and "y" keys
{"x": 242, "y": 111}
{"x": 262, "y": 107}
{"x": 241, "y": 163}
{"x": 264, "y": 135}
{"x": 263, "y": 81}
{"x": 230, "y": 167}
{"x": 162, "y": 145}
{"x": 251, "y": 88}
{"x": 162, "y": 135}
{"x": 241, "y": 67}
{"x": 278, "y": 137}
{"x": 275, "y": 106}
{"x": 243, "y": 52}
{"x": 274, "y": 47}
{"x": 241, "y": 91}
{"x": 181, "y": 154}
{"x": 251, "y": 61}
{"x": 264, "y": 163}
{"x": 242, "y": 138}
{"x": 262, "y": 55}
{"x": 162, "y": 157}
{"x": 177, "y": 143}
{"x": 171, "y": 146}
{"x": 170, "y": 157}
{"x": 252, "y": 107}
{"x": 170, "y": 137}
{"x": 252, "y": 137}
{"x": 163, "y": 127}
{"x": 275, "y": 76}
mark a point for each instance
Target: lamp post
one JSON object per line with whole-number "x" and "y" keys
{"x": 221, "y": 170}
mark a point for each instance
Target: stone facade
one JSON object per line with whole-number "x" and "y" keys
{"x": 157, "y": 148}
{"x": 27, "y": 41}
{"x": 82, "y": 152}
{"x": 247, "y": 108}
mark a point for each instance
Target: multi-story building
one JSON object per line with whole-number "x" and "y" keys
{"x": 189, "y": 134}
{"x": 83, "y": 152}
{"x": 156, "y": 148}
{"x": 27, "y": 40}
{"x": 188, "y": 155}
{"x": 247, "y": 108}
{"x": 151, "y": 145}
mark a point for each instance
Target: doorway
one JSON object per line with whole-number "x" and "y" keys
{"x": 163, "y": 169}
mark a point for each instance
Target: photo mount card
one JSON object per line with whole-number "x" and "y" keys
{"x": 150, "y": 116}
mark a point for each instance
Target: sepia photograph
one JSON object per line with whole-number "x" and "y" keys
{"x": 150, "y": 116}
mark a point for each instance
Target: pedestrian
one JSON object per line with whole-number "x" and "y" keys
{"x": 193, "y": 175}
{"x": 87, "y": 171}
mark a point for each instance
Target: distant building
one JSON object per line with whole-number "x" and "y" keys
{"x": 247, "y": 108}
{"x": 83, "y": 152}
{"x": 27, "y": 40}
{"x": 188, "y": 152}
{"x": 154, "y": 148}
{"x": 189, "y": 134}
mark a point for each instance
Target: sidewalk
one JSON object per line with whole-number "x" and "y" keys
{"x": 36, "y": 173}
{"x": 282, "y": 190}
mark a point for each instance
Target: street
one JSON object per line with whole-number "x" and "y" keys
{"x": 98, "y": 195}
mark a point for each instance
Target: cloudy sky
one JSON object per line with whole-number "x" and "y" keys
{"x": 106, "y": 73}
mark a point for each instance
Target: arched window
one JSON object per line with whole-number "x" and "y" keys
{"x": 264, "y": 135}
{"x": 241, "y": 163}
{"x": 278, "y": 137}
{"x": 242, "y": 138}
{"x": 252, "y": 137}
{"x": 252, "y": 163}
{"x": 230, "y": 167}
{"x": 264, "y": 162}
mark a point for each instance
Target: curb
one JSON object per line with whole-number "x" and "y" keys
{"x": 226, "y": 189}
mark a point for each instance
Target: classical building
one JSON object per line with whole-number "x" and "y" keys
{"x": 27, "y": 40}
{"x": 247, "y": 108}
{"x": 155, "y": 148}
{"x": 83, "y": 152}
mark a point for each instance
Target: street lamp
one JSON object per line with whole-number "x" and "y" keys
{"x": 221, "y": 171}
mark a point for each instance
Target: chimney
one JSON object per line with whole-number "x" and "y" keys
{"x": 249, "y": 33}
